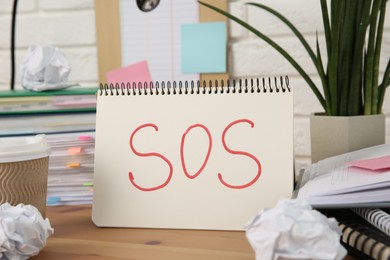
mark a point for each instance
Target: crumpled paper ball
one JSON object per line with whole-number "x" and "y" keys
{"x": 23, "y": 231}
{"x": 293, "y": 230}
{"x": 45, "y": 67}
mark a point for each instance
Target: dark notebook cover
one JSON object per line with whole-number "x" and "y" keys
{"x": 360, "y": 238}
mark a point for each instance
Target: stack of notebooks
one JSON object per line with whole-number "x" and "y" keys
{"x": 355, "y": 189}
{"x": 26, "y": 112}
{"x": 67, "y": 118}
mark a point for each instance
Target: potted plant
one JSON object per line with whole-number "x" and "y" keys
{"x": 352, "y": 94}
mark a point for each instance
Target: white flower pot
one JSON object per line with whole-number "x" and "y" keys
{"x": 334, "y": 135}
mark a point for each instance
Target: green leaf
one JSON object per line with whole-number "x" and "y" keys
{"x": 382, "y": 88}
{"x": 276, "y": 47}
{"x": 355, "y": 96}
{"x": 377, "y": 51}
{"x": 326, "y": 24}
{"x": 347, "y": 35}
{"x": 325, "y": 81}
{"x": 298, "y": 34}
{"x": 369, "y": 92}
{"x": 333, "y": 59}
{"x": 350, "y": 77}
{"x": 317, "y": 63}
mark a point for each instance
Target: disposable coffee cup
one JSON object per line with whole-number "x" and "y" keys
{"x": 24, "y": 166}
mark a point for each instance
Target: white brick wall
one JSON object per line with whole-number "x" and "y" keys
{"x": 70, "y": 25}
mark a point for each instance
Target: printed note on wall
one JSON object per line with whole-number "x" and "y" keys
{"x": 155, "y": 36}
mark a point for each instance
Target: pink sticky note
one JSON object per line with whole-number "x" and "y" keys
{"x": 138, "y": 72}
{"x": 378, "y": 163}
{"x": 75, "y": 150}
{"x": 84, "y": 138}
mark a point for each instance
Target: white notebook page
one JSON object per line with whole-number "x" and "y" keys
{"x": 161, "y": 142}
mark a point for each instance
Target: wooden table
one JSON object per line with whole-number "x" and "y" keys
{"x": 76, "y": 237}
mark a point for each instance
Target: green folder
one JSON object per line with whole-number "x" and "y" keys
{"x": 73, "y": 99}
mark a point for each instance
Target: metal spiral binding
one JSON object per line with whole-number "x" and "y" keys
{"x": 258, "y": 85}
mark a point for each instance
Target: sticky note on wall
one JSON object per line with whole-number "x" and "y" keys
{"x": 137, "y": 72}
{"x": 204, "y": 47}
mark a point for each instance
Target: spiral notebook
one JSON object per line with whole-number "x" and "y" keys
{"x": 359, "y": 235}
{"x": 377, "y": 217}
{"x": 191, "y": 155}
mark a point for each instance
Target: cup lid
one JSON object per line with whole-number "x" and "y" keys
{"x": 14, "y": 149}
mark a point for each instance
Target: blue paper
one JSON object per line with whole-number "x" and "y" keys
{"x": 203, "y": 47}
{"x": 53, "y": 200}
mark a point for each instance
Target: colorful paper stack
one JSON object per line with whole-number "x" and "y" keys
{"x": 71, "y": 168}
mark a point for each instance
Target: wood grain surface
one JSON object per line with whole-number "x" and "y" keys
{"x": 77, "y": 237}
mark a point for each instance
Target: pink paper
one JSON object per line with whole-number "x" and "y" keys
{"x": 75, "y": 150}
{"x": 138, "y": 72}
{"x": 84, "y": 138}
{"x": 378, "y": 163}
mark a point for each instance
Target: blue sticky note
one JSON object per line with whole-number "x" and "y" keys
{"x": 53, "y": 200}
{"x": 203, "y": 47}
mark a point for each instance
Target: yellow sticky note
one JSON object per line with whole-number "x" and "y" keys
{"x": 73, "y": 165}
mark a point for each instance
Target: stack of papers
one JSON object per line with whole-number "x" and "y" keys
{"x": 74, "y": 99}
{"x": 68, "y": 119}
{"x": 25, "y": 112}
{"x": 32, "y": 124}
{"x": 71, "y": 167}
{"x": 356, "y": 179}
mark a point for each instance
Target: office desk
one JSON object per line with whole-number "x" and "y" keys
{"x": 76, "y": 237}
